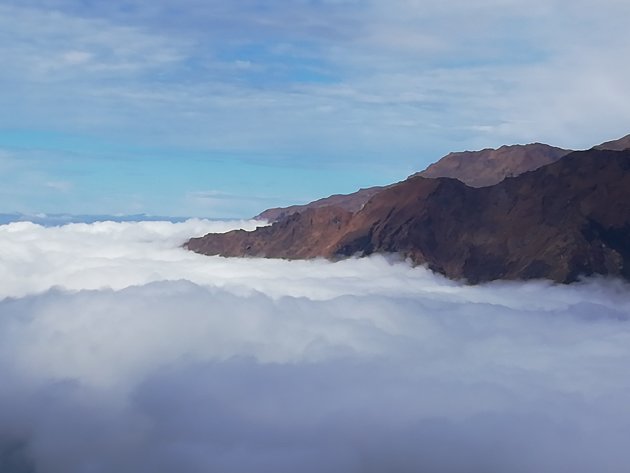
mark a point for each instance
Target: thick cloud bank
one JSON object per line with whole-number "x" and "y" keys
{"x": 122, "y": 352}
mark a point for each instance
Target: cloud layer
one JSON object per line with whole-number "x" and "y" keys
{"x": 120, "y": 351}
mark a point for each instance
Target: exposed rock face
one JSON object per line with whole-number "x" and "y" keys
{"x": 475, "y": 168}
{"x": 490, "y": 166}
{"x": 564, "y": 220}
{"x": 616, "y": 145}
{"x": 307, "y": 234}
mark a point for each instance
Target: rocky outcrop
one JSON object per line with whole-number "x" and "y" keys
{"x": 562, "y": 221}
{"x": 307, "y": 234}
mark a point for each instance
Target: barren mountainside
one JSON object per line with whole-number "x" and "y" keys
{"x": 561, "y": 221}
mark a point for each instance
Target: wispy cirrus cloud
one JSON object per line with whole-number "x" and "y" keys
{"x": 374, "y": 51}
{"x": 45, "y": 46}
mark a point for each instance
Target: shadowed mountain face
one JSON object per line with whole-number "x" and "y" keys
{"x": 564, "y": 220}
{"x": 475, "y": 168}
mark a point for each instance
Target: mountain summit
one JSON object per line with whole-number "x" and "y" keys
{"x": 490, "y": 166}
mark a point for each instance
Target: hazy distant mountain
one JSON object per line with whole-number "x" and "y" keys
{"x": 53, "y": 220}
{"x": 566, "y": 219}
{"x": 475, "y": 168}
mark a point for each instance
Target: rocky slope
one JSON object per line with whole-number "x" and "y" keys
{"x": 564, "y": 220}
{"x": 475, "y": 168}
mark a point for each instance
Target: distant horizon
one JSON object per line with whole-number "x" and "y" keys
{"x": 56, "y": 219}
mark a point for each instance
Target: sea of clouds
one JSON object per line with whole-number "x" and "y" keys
{"x": 122, "y": 352}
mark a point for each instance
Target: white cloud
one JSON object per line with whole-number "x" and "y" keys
{"x": 144, "y": 357}
{"x": 77, "y": 57}
{"x": 59, "y": 186}
{"x": 104, "y": 254}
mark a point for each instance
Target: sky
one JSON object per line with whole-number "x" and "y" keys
{"x": 222, "y": 109}
{"x": 128, "y": 353}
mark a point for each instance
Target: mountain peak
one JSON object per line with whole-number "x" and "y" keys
{"x": 490, "y": 166}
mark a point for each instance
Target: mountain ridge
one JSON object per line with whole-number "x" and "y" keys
{"x": 490, "y": 166}
{"x": 568, "y": 219}
{"x": 475, "y": 168}
{"x": 620, "y": 144}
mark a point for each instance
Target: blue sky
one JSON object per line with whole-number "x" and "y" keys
{"x": 224, "y": 108}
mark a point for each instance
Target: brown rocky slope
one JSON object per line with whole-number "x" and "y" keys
{"x": 562, "y": 221}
